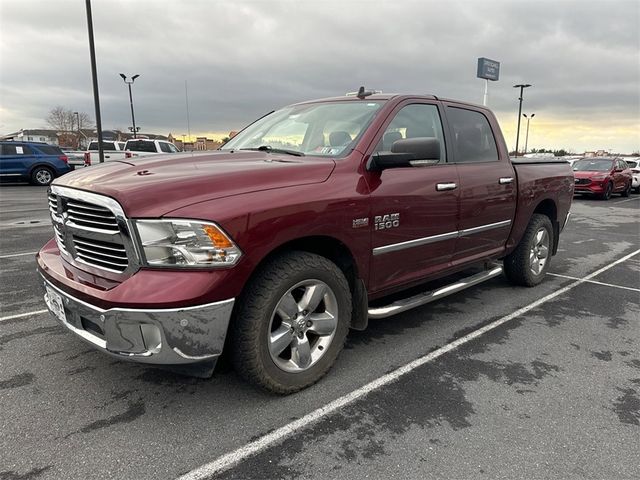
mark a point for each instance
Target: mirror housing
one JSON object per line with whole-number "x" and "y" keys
{"x": 406, "y": 152}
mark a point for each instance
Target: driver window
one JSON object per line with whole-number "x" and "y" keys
{"x": 412, "y": 121}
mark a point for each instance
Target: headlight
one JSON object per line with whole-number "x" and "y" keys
{"x": 185, "y": 243}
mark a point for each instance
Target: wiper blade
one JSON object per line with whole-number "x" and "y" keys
{"x": 270, "y": 149}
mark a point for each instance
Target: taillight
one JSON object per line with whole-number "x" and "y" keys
{"x": 87, "y": 159}
{"x": 64, "y": 158}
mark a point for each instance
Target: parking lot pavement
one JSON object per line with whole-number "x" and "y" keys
{"x": 551, "y": 392}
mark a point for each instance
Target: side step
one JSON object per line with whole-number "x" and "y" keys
{"x": 405, "y": 304}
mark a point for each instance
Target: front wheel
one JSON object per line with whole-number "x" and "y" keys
{"x": 41, "y": 176}
{"x": 627, "y": 190}
{"x": 607, "y": 192}
{"x": 291, "y": 323}
{"x": 528, "y": 263}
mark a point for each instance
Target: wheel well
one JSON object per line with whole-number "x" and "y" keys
{"x": 336, "y": 251}
{"x": 47, "y": 166}
{"x": 548, "y": 207}
{"x": 328, "y": 247}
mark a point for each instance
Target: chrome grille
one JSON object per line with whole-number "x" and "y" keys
{"x": 582, "y": 181}
{"x": 84, "y": 214}
{"x": 102, "y": 254}
{"x": 92, "y": 232}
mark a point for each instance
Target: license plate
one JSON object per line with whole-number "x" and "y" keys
{"x": 54, "y": 302}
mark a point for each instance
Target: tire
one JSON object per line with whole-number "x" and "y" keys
{"x": 607, "y": 192}
{"x": 637, "y": 189}
{"x": 627, "y": 190}
{"x": 42, "y": 176}
{"x": 529, "y": 262}
{"x": 291, "y": 322}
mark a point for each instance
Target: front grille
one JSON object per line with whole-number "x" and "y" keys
{"x": 90, "y": 230}
{"x": 582, "y": 181}
{"x": 84, "y": 214}
{"x": 102, "y": 254}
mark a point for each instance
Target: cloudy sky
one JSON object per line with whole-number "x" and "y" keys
{"x": 242, "y": 59}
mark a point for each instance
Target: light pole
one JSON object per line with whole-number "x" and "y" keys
{"x": 133, "y": 118}
{"x": 521, "y": 87}
{"x": 78, "y": 122}
{"x": 526, "y": 138}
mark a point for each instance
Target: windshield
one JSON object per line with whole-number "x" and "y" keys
{"x": 592, "y": 165}
{"x": 323, "y": 129}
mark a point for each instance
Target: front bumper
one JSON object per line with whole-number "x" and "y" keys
{"x": 178, "y": 336}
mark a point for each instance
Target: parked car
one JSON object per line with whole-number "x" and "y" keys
{"x": 111, "y": 151}
{"x": 634, "y": 165}
{"x": 298, "y": 229}
{"x": 141, "y": 147}
{"x": 602, "y": 176}
{"x": 75, "y": 158}
{"x": 35, "y": 162}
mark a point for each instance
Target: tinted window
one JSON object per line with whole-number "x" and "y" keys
{"x": 165, "y": 147}
{"x": 9, "y": 149}
{"x": 140, "y": 146}
{"x": 632, "y": 164}
{"x": 173, "y": 148}
{"x": 412, "y": 121}
{"x": 50, "y": 150}
{"x": 472, "y": 136}
{"x": 105, "y": 146}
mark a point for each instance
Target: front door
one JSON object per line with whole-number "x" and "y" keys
{"x": 414, "y": 209}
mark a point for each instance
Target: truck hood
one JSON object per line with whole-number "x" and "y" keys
{"x": 154, "y": 186}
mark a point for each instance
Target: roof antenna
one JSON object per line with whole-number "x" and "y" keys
{"x": 362, "y": 93}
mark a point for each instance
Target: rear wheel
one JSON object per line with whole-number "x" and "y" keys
{"x": 41, "y": 176}
{"x": 607, "y": 192}
{"x": 528, "y": 263}
{"x": 291, "y": 322}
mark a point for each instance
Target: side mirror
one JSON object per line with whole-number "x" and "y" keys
{"x": 406, "y": 153}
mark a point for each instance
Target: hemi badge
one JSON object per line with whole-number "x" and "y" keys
{"x": 360, "y": 222}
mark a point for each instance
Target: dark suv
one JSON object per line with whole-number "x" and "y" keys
{"x": 38, "y": 163}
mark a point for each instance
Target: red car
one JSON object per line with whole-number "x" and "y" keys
{"x": 602, "y": 176}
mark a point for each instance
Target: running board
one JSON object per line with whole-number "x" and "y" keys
{"x": 405, "y": 304}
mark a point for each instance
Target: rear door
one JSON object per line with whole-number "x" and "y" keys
{"x": 413, "y": 209}
{"x": 487, "y": 191}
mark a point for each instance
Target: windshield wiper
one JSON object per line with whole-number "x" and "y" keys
{"x": 270, "y": 149}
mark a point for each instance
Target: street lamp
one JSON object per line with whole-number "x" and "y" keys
{"x": 521, "y": 87}
{"x": 78, "y": 123}
{"x": 133, "y": 118}
{"x": 526, "y": 138}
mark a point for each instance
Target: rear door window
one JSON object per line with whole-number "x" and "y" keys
{"x": 50, "y": 150}
{"x": 473, "y": 139}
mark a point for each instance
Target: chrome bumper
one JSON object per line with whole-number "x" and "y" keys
{"x": 164, "y": 336}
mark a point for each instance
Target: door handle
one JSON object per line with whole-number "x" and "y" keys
{"x": 440, "y": 187}
{"x": 505, "y": 180}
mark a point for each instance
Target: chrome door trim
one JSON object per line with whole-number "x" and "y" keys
{"x": 505, "y": 180}
{"x": 484, "y": 228}
{"x": 394, "y": 247}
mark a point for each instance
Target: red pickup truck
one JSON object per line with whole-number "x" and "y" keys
{"x": 307, "y": 223}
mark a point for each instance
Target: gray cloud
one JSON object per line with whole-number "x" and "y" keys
{"x": 242, "y": 59}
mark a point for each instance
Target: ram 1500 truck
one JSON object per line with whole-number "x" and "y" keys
{"x": 307, "y": 223}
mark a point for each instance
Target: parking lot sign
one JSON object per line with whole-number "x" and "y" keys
{"x": 488, "y": 69}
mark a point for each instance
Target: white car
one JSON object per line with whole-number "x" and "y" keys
{"x": 141, "y": 147}
{"x": 634, "y": 165}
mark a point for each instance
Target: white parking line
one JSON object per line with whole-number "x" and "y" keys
{"x": 17, "y": 254}
{"x": 20, "y": 315}
{"x": 627, "y": 200}
{"x": 595, "y": 282}
{"x": 262, "y": 443}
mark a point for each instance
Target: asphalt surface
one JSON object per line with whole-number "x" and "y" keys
{"x": 551, "y": 393}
